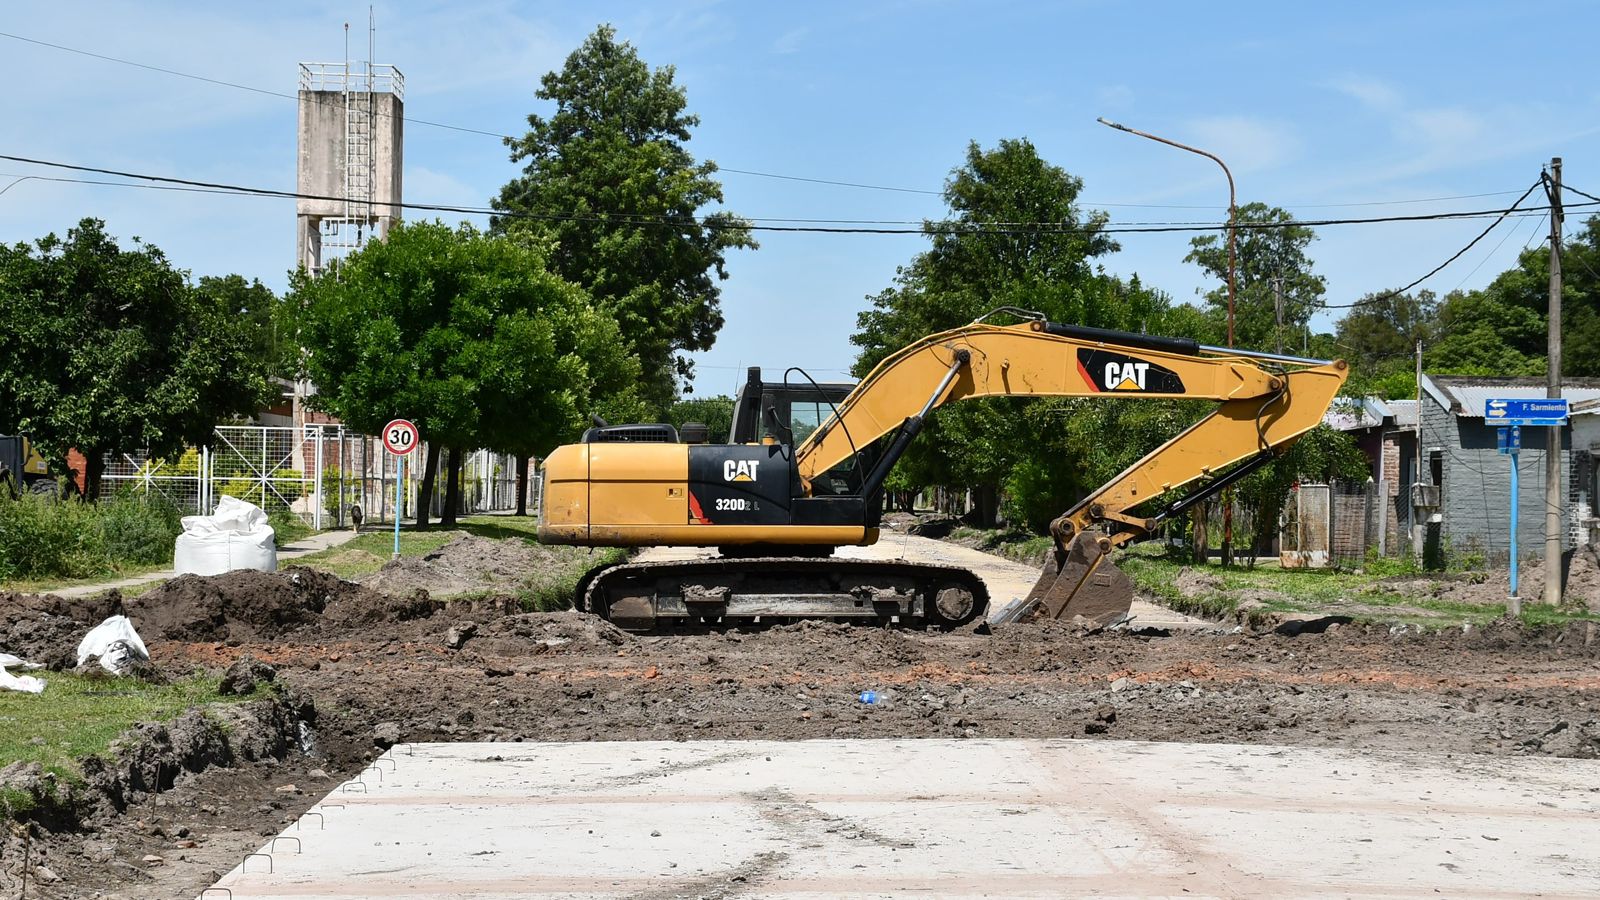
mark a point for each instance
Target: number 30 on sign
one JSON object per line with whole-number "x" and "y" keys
{"x": 400, "y": 437}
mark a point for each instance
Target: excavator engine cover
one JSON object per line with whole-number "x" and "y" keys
{"x": 1082, "y": 582}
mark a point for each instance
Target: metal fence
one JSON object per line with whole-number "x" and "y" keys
{"x": 316, "y": 473}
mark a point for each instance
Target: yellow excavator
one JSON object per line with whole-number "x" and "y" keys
{"x": 777, "y": 505}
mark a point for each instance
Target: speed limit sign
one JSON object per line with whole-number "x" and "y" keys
{"x": 400, "y": 437}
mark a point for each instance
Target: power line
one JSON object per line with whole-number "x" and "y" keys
{"x": 1568, "y": 187}
{"x": 837, "y": 183}
{"x": 143, "y": 187}
{"x": 1455, "y": 256}
{"x": 1491, "y": 253}
{"x": 716, "y": 222}
{"x": 232, "y": 84}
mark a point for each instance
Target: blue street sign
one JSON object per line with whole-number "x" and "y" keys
{"x": 1508, "y": 439}
{"x": 1536, "y": 413}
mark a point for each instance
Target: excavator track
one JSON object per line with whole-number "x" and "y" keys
{"x": 653, "y": 596}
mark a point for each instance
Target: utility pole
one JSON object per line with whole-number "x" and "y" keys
{"x": 1554, "y": 502}
{"x": 1277, "y": 311}
{"x": 1418, "y": 529}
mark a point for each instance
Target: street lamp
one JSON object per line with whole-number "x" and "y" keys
{"x": 17, "y": 182}
{"x": 1233, "y": 207}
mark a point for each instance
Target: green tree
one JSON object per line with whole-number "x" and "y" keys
{"x": 1271, "y": 264}
{"x": 469, "y": 335}
{"x": 1502, "y": 330}
{"x": 1379, "y": 335}
{"x": 608, "y": 177}
{"x": 1480, "y": 333}
{"x": 257, "y": 307}
{"x": 716, "y": 413}
{"x": 111, "y": 350}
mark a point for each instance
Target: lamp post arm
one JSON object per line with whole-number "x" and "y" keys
{"x": 1233, "y": 205}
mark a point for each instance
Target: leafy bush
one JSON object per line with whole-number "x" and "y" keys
{"x": 139, "y": 531}
{"x": 287, "y": 527}
{"x": 42, "y": 538}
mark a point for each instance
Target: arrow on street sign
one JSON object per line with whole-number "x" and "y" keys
{"x": 1541, "y": 412}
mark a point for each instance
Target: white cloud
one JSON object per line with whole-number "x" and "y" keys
{"x": 1245, "y": 143}
{"x": 1440, "y": 129}
{"x": 1370, "y": 92}
{"x": 1114, "y": 96}
{"x": 791, "y": 41}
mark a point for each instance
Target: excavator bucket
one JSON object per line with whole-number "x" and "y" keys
{"x": 1081, "y": 582}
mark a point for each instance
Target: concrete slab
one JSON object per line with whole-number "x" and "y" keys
{"x": 946, "y": 818}
{"x": 1005, "y": 579}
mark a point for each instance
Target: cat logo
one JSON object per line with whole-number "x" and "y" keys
{"x": 1128, "y": 376}
{"x": 740, "y": 469}
{"x": 1103, "y": 370}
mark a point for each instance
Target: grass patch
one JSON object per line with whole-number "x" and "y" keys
{"x": 1319, "y": 592}
{"x": 287, "y": 528}
{"x": 366, "y": 553}
{"x": 78, "y": 715}
{"x": 1018, "y": 546}
{"x": 1274, "y": 591}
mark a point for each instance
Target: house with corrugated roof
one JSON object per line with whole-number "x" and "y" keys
{"x": 1465, "y": 492}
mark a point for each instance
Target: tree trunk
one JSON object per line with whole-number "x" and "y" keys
{"x": 1201, "y": 549}
{"x": 522, "y": 485}
{"x": 425, "y": 486}
{"x": 985, "y": 510}
{"x": 452, "y": 488}
{"x": 94, "y": 465}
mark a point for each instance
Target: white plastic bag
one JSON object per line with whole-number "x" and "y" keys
{"x": 116, "y": 643}
{"x": 25, "y": 683}
{"x": 236, "y": 536}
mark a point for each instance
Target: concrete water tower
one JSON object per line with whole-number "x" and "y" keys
{"x": 350, "y": 138}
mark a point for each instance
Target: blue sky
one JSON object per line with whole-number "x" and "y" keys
{"x": 1310, "y": 104}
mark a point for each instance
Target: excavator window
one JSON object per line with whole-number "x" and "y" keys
{"x": 805, "y": 416}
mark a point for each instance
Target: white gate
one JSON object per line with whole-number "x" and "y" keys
{"x": 276, "y": 468}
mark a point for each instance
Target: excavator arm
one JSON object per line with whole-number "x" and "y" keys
{"x": 1265, "y": 403}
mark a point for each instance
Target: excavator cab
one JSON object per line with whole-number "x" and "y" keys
{"x": 786, "y": 413}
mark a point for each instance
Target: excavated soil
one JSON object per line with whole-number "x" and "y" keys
{"x": 370, "y": 669}
{"x": 1581, "y": 590}
{"x": 472, "y": 564}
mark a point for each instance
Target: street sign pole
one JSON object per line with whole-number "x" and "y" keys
{"x": 1509, "y": 415}
{"x": 401, "y": 438}
{"x": 1509, "y": 442}
{"x": 1514, "y": 606}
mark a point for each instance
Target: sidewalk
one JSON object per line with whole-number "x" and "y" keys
{"x": 306, "y": 545}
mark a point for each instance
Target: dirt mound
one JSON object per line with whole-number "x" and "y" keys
{"x": 46, "y": 629}
{"x": 1581, "y": 591}
{"x": 1583, "y": 579}
{"x": 468, "y": 563}
{"x": 558, "y": 632}
{"x": 934, "y": 526}
{"x": 240, "y": 605}
{"x": 1194, "y": 583}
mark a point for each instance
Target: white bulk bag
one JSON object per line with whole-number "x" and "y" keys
{"x": 236, "y": 536}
